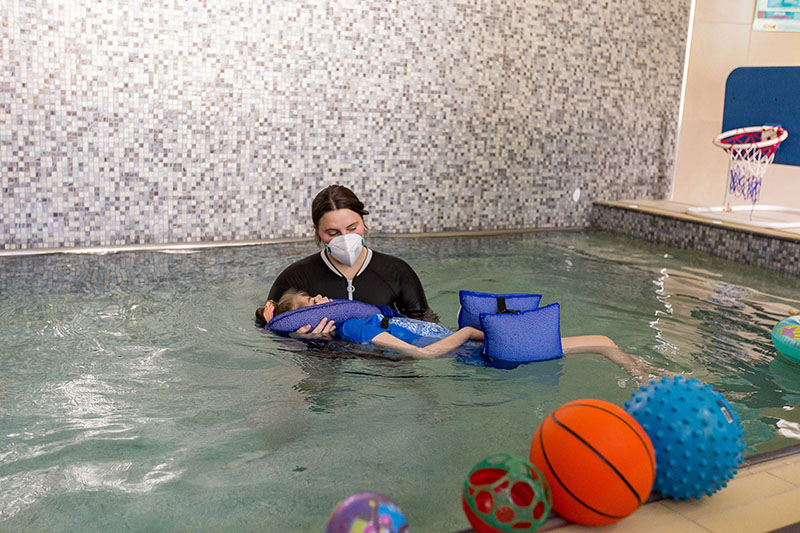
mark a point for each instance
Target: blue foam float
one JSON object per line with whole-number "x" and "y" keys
{"x": 473, "y": 304}
{"x": 336, "y": 310}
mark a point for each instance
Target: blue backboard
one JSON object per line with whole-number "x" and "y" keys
{"x": 756, "y": 96}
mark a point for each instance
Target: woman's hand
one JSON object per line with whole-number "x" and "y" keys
{"x": 324, "y": 329}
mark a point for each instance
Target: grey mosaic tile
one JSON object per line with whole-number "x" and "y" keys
{"x": 156, "y": 121}
{"x": 764, "y": 251}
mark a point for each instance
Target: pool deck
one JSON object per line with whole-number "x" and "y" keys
{"x": 735, "y": 235}
{"x": 762, "y": 497}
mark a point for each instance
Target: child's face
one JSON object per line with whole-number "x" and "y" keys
{"x": 306, "y": 301}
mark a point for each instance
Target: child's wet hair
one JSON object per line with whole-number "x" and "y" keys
{"x": 288, "y": 301}
{"x": 260, "y": 318}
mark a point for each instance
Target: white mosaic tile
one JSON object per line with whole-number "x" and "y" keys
{"x": 157, "y": 121}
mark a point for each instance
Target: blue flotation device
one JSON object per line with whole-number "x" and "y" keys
{"x": 786, "y": 337}
{"x": 336, "y": 310}
{"x": 523, "y": 337}
{"x": 516, "y": 330}
{"x": 473, "y": 304}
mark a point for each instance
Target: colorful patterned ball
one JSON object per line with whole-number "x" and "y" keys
{"x": 695, "y": 432}
{"x": 786, "y": 337}
{"x": 503, "y": 494}
{"x": 367, "y": 512}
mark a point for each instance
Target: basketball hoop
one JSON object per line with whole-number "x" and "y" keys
{"x": 751, "y": 150}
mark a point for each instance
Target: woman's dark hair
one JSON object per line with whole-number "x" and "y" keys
{"x": 332, "y": 198}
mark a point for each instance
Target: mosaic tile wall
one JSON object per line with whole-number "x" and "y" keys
{"x": 782, "y": 255}
{"x": 158, "y": 121}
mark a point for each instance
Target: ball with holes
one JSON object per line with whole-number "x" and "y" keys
{"x": 504, "y": 494}
{"x": 597, "y": 459}
{"x": 696, "y": 434}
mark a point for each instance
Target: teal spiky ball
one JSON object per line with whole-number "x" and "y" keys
{"x": 695, "y": 432}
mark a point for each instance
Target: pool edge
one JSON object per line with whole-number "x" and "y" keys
{"x": 665, "y": 223}
{"x": 200, "y": 245}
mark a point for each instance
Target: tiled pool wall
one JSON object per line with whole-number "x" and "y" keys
{"x": 751, "y": 247}
{"x": 161, "y": 121}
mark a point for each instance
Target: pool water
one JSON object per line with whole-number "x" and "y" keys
{"x": 136, "y": 394}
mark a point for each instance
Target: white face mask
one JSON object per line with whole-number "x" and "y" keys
{"x": 346, "y": 248}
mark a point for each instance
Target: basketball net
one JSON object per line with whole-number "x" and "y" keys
{"x": 751, "y": 150}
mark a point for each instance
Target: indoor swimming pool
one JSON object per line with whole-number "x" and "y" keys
{"x": 136, "y": 393}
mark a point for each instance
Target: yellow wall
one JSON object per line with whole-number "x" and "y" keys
{"x": 723, "y": 39}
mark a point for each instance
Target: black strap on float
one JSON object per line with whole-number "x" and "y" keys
{"x": 385, "y": 322}
{"x": 501, "y": 306}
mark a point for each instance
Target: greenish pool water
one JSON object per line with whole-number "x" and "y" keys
{"x": 136, "y": 394}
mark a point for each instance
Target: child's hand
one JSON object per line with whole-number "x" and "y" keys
{"x": 474, "y": 334}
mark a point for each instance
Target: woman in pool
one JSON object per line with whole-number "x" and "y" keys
{"x": 345, "y": 268}
{"x": 397, "y": 338}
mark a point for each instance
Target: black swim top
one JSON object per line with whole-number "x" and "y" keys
{"x": 382, "y": 280}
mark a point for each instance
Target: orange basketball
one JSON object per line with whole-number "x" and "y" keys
{"x": 598, "y": 461}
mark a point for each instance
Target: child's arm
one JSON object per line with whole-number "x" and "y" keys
{"x": 441, "y": 347}
{"x": 636, "y": 366}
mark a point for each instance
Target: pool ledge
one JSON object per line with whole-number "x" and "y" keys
{"x": 762, "y": 497}
{"x": 669, "y": 223}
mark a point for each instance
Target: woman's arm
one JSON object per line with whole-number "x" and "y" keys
{"x": 636, "y": 366}
{"x": 441, "y": 347}
{"x": 411, "y": 300}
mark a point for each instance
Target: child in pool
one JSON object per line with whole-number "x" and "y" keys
{"x": 398, "y": 338}
{"x": 369, "y": 330}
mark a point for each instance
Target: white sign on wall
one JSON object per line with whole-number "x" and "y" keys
{"x": 777, "y": 15}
